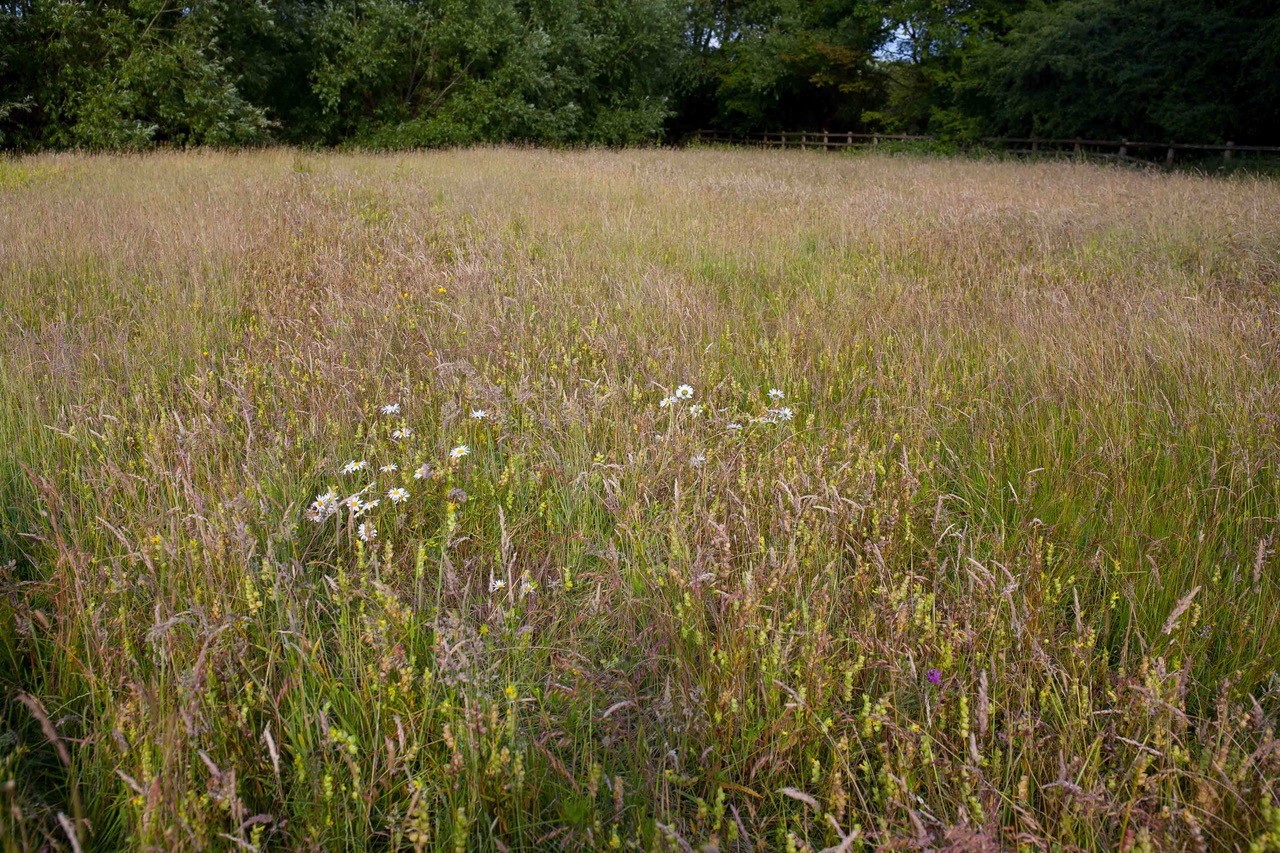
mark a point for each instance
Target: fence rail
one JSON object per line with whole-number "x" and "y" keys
{"x": 836, "y": 140}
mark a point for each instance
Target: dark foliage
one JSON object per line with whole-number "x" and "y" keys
{"x": 111, "y": 74}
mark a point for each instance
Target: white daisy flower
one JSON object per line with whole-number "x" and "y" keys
{"x": 354, "y": 466}
{"x": 389, "y": 467}
{"x": 391, "y": 409}
{"x": 367, "y": 532}
{"x": 398, "y": 496}
{"x": 359, "y": 507}
{"x": 696, "y": 410}
{"x": 479, "y": 414}
{"x": 667, "y": 402}
{"x": 497, "y": 584}
{"x": 423, "y": 472}
{"x": 775, "y": 394}
{"x": 782, "y": 414}
{"x": 527, "y": 585}
{"x": 402, "y": 433}
{"x": 324, "y": 507}
{"x": 684, "y": 392}
{"x": 698, "y": 460}
{"x": 460, "y": 451}
{"x": 733, "y": 425}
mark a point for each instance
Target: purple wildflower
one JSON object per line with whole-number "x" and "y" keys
{"x": 934, "y": 676}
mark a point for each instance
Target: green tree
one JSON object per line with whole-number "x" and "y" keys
{"x": 125, "y": 74}
{"x": 924, "y": 61}
{"x": 395, "y": 72}
{"x": 1190, "y": 70}
{"x": 779, "y": 64}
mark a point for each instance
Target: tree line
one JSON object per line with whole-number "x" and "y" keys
{"x": 125, "y": 74}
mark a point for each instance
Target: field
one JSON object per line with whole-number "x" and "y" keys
{"x": 962, "y": 534}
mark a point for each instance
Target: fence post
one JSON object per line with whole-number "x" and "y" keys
{"x": 804, "y": 140}
{"x": 1226, "y": 155}
{"x": 826, "y": 141}
{"x": 1077, "y": 148}
{"x": 1035, "y": 145}
{"x": 848, "y": 139}
{"x": 1124, "y": 148}
{"x": 1168, "y": 157}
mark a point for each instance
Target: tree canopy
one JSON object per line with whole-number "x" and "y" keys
{"x": 109, "y": 74}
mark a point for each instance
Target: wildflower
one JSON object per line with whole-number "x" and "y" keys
{"x": 497, "y": 584}
{"x": 733, "y": 425}
{"x": 389, "y": 467}
{"x": 360, "y": 507}
{"x": 696, "y": 409}
{"x": 782, "y": 414}
{"x": 460, "y": 451}
{"x": 354, "y": 466}
{"x": 527, "y": 585}
{"x": 775, "y": 394}
{"x": 934, "y": 676}
{"x": 391, "y": 409}
{"x": 401, "y": 433}
{"x": 512, "y": 693}
{"x": 367, "y": 532}
{"x": 456, "y": 496}
{"x": 684, "y": 392}
{"x": 398, "y": 496}
{"x": 698, "y": 461}
{"x": 324, "y": 507}
{"x": 667, "y": 402}
{"x": 479, "y": 414}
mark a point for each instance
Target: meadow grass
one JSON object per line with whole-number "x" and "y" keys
{"x": 994, "y": 568}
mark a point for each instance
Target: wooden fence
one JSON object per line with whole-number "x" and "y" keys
{"x": 1122, "y": 149}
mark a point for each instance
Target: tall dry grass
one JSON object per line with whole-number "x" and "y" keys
{"x": 1006, "y": 579}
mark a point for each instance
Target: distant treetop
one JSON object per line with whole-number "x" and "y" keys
{"x": 127, "y": 74}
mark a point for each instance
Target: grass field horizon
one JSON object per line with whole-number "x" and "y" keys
{"x": 705, "y": 499}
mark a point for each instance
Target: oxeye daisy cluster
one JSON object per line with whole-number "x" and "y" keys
{"x": 324, "y": 507}
{"x": 775, "y": 414}
{"x": 363, "y": 502}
